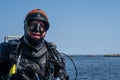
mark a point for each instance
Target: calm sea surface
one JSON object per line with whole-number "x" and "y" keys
{"x": 94, "y": 68}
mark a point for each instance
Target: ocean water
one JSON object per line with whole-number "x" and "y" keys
{"x": 94, "y": 68}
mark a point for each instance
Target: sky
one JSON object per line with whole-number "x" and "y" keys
{"x": 76, "y": 26}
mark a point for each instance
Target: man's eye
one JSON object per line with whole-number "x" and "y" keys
{"x": 31, "y": 27}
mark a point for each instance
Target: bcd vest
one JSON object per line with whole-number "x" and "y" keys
{"x": 25, "y": 66}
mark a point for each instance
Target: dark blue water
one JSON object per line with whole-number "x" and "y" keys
{"x": 94, "y": 68}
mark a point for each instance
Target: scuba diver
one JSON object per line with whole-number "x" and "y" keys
{"x": 32, "y": 57}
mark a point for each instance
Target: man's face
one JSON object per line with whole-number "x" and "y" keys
{"x": 36, "y": 29}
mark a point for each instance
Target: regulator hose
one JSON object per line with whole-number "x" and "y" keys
{"x": 73, "y": 64}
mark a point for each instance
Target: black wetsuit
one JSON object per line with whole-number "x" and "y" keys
{"x": 42, "y": 62}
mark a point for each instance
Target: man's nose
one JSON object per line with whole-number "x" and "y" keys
{"x": 37, "y": 28}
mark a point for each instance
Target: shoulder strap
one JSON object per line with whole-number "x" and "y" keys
{"x": 13, "y": 44}
{"x": 55, "y": 60}
{"x": 52, "y": 49}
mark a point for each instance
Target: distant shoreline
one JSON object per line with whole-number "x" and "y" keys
{"x": 112, "y": 55}
{"x": 92, "y": 55}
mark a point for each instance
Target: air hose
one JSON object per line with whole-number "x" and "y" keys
{"x": 73, "y": 64}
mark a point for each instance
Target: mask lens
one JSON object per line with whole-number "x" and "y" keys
{"x": 36, "y": 27}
